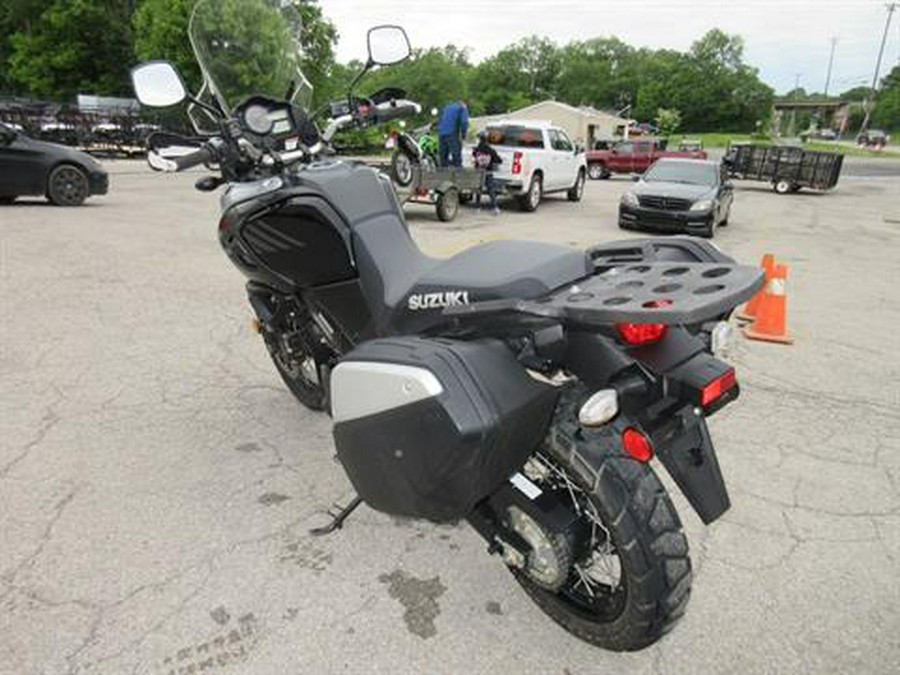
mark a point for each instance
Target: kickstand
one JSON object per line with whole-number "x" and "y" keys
{"x": 337, "y": 519}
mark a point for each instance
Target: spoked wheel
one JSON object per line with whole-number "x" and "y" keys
{"x": 67, "y": 185}
{"x": 401, "y": 168}
{"x": 630, "y": 575}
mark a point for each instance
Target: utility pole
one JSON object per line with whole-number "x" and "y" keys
{"x": 830, "y": 63}
{"x": 793, "y": 121}
{"x": 891, "y": 7}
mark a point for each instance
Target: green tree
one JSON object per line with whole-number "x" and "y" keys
{"x": 886, "y": 114}
{"x": 857, "y": 94}
{"x": 16, "y": 16}
{"x": 75, "y": 46}
{"x": 667, "y": 120}
{"x": 433, "y": 77}
{"x": 601, "y": 72}
{"x": 711, "y": 86}
{"x": 161, "y": 32}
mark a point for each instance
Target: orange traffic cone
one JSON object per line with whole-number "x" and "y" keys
{"x": 748, "y": 313}
{"x": 770, "y": 324}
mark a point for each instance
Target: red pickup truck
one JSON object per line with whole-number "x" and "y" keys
{"x": 633, "y": 156}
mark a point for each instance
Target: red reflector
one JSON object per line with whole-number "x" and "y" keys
{"x": 719, "y": 386}
{"x": 641, "y": 333}
{"x": 637, "y": 445}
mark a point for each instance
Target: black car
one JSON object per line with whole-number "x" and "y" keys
{"x": 690, "y": 196}
{"x": 30, "y": 167}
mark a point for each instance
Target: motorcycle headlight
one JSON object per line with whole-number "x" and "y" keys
{"x": 629, "y": 199}
{"x": 702, "y": 205}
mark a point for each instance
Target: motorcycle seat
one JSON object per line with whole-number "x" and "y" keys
{"x": 502, "y": 269}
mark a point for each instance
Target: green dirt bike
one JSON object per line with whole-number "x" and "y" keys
{"x": 419, "y": 148}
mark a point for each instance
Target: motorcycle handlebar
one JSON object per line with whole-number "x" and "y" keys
{"x": 394, "y": 109}
{"x": 192, "y": 159}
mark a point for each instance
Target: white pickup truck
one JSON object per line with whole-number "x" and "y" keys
{"x": 538, "y": 159}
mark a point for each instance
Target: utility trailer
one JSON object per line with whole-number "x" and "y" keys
{"x": 787, "y": 168}
{"x": 445, "y": 188}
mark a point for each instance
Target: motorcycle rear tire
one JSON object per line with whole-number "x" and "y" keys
{"x": 653, "y": 557}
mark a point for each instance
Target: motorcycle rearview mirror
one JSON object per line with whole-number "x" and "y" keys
{"x": 387, "y": 45}
{"x": 157, "y": 84}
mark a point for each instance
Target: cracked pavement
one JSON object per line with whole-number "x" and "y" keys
{"x": 157, "y": 481}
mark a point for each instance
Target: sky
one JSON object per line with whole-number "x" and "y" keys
{"x": 784, "y": 39}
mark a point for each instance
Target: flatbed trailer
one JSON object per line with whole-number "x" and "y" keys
{"x": 787, "y": 168}
{"x": 445, "y": 188}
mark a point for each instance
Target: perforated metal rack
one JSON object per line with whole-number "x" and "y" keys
{"x": 673, "y": 293}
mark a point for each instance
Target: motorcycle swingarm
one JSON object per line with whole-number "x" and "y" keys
{"x": 685, "y": 448}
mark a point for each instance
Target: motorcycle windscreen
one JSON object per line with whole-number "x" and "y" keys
{"x": 427, "y": 428}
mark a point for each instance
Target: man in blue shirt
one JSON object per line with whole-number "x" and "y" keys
{"x": 452, "y": 128}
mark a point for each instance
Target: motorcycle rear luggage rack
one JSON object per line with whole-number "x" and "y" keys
{"x": 693, "y": 292}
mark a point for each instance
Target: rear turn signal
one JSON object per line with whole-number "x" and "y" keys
{"x": 637, "y": 445}
{"x": 641, "y": 333}
{"x": 714, "y": 390}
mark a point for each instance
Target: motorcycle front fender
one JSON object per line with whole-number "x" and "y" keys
{"x": 408, "y": 145}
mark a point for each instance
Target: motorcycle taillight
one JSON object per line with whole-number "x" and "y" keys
{"x": 641, "y": 333}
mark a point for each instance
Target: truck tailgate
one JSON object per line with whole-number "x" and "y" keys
{"x": 515, "y": 165}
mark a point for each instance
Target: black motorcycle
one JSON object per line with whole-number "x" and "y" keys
{"x": 524, "y": 387}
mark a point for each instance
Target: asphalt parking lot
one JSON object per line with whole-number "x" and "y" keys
{"x": 157, "y": 481}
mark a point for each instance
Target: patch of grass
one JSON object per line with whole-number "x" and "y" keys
{"x": 720, "y": 139}
{"x": 853, "y": 150}
{"x": 716, "y": 139}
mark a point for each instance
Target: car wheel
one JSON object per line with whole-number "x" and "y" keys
{"x": 67, "y": 185}
{"x": 725, "y": 216}
{"x": 576, "y": 192}
{"x": 532, "y": 199}
{"x": 596, "y": 171}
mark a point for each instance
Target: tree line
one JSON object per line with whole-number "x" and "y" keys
{"x": 54, "y": 49}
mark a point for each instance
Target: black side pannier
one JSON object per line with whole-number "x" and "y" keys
{"x": 427, "y": 428}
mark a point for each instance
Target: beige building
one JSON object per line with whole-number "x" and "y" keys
{"x": 584, "y": 125}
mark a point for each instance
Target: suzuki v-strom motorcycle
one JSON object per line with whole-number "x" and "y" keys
{"x": 524, "y": 387}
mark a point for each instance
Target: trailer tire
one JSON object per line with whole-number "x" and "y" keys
{"x": 447, "y": 205}
{"x": 782, "y": 186}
